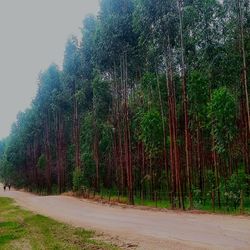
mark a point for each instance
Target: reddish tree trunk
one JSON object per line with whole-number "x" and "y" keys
{"x": 47, "y": 154}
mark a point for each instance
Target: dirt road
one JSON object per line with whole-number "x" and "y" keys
{"x": 147, "y": 229}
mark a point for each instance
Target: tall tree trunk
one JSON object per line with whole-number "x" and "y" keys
{"x": 244, "y": 65}
{"x": 60, "y": 151}
{"x": 76, "y": 131}
{"x": 174, "y": 150}
{"x": 164, "y": 133}
{"x": 47, "y": 154}
{"x": 127, "y": 139}
{"x": 216, "y": 171}
{"x": 118, "y": 130}
{"x": 199, "y": 155}
{"x": 96, "y": 155}
{"x": 185, "y": 105}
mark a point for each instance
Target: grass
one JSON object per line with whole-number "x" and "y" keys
{"x": 21, "y": 229}
{"x": 112, "y": 197}
{"x": 150, "y": 203}
{"x": 224, "y": 209}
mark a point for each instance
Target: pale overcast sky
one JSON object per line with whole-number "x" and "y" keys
{"x": 33, "y": 34}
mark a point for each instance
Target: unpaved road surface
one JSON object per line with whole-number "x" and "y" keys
{"x": 150, "y": 230}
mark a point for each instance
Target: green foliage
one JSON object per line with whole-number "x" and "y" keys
{"x": 235, "y": 186}
{"x": 78, "y": 180}
{"x": 106, "y": 137}
{"x": 198, "y": 93}
{"x": 222, "y": 114}
{"x": 71, "y": 64}
{"x": 87, "y": 130}
{"x": 41, "y": 162}
{"x": 88, "y": 48}
{"x": 211, "y": 180}
{"x": 101, "y": 97}
{"x": 115, "y": 33}
{"x": 149, "y": 81}
{"x": 5, "y": 170}
{"x": 151, "y": 132}
{"x": 197, "y": 198}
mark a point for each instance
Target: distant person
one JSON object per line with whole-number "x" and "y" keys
{"x": 9, "y": 186}
{"x": 4, "y": 187}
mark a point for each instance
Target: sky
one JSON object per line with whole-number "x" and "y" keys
{"x": 33, "y": 34}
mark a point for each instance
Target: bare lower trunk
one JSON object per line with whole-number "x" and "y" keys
{"x": 164, "y": 132}
{"x": 47, "y": 155}
{"x": 96, "y": 159}
{"x": 60, "y": 152}
{"x": 185, "y": 106}
{"x": 127, "y": 138}
{"x": 76, "y": 131}
{"x": 174, "y": 148}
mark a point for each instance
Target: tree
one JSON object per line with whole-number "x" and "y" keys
{"x": 71, "y": 69}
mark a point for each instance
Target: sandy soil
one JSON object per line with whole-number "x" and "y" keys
{"x": 137, "y": 229}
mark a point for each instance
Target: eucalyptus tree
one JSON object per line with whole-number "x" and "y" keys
{"x": 49, "y": 83}
{"x": 57, "y": 105}
{"x": 222, "y": 114}
{"x": 115, "y": 41}
{"x": 242, "y": 5}
{"x": 162, "y": 18}
{"x": 235, "y": 74}
{"x": 101, "y": 106}
{"x": 71, "y": 77}
{"x": 88, "y": 48}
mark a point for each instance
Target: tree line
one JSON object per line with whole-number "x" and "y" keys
{"x": 151, "y": 101}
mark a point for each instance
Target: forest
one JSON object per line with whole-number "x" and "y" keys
{"x": 151, "y": 104}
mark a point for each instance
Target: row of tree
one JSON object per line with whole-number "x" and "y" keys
{"x": 152, "y": 101}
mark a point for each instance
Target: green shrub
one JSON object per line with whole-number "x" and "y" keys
{"x": 41, "y": 163}
{"x": 78, "y": 180}
{"x": 234, "y": 187}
